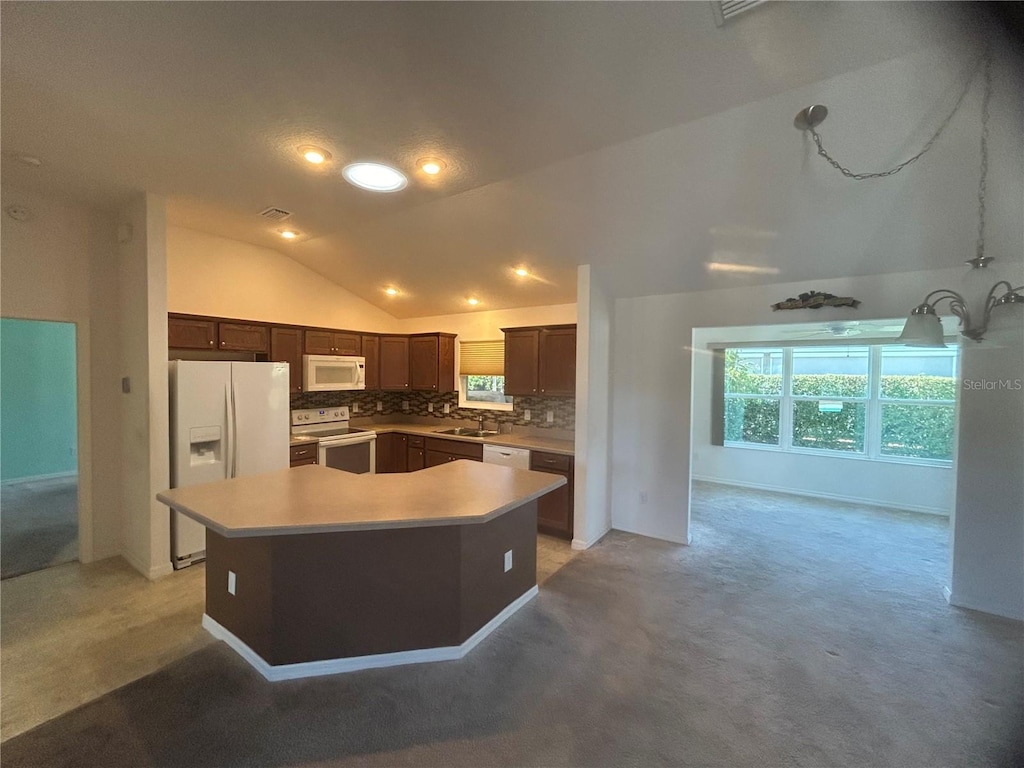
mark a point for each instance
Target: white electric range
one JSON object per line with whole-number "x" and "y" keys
{"x": 339, "y": 446}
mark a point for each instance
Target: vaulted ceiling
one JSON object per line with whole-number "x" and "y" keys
{"x": 560, "y": 124}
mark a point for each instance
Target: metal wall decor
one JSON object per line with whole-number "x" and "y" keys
{"x": 816, "y": 300}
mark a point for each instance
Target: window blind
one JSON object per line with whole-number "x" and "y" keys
{"x": 481, "y": 358}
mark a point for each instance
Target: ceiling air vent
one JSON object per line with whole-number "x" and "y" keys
{"x": 275, "y": 214}
{"x": 726, "y": 10}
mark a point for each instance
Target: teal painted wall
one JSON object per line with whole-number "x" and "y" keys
{"x": 38, "y": 413}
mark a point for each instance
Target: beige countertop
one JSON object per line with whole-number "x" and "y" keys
{"x": 532, "y": 442}
{"x": 303, "y": 439}
{"x": 315, "y": 499}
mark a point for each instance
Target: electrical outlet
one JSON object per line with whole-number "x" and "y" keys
{"x": 405, "y": 405}
{"x": 643, "y": 497}
{"x": 126, "y": 384}
{"x": 430, "y": 407}
{"x": 355, "y": 407}
{"x": 232, "y": 582}
{"x": 550, "y": 417}
{"x": 526, "y": 415}
{"x": 447, "y": 408}
{"x": 508, "y": 561}
{"x": 380, "y": 405}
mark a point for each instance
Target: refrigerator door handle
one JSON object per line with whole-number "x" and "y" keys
{"x": 234, "y": 431}
{"x": 229, "y": 423}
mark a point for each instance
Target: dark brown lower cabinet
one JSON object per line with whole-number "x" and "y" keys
{"x": 391, "y": 453}
{"x": 301, "y": 455}
{"x": 416, "y": 455}
{"x": 441, "y": 451}
{"x": 555, "y": 509}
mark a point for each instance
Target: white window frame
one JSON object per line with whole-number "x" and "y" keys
{"x": 872, "y": 415}
{"x": 464, "y": 403}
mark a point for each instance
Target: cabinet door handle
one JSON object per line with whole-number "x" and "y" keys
{"x": 211, "y": 342}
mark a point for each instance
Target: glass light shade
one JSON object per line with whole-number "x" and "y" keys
{"x": 374, "y": 176}
{"x": 923, "y": 329}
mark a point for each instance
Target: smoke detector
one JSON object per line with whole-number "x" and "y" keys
{"x": 275, "y": 214}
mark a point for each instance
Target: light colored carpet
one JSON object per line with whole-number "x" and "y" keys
{"x": 38, "y": 525}
{"x": 791, "y": 632}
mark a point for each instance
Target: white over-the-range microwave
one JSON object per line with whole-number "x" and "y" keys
{"x": 329, "y": 373}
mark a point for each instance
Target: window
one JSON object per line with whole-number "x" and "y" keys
{"x": 873, "y": 401}
{"x": 482, "y": 376}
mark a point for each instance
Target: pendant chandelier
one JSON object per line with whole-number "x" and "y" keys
{"x": 923, "y": 327}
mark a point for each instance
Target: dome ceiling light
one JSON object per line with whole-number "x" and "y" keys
{"x": 374, "y": 177}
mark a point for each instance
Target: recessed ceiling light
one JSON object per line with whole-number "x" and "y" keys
{"x": 522, "y": 272}
{"x": 472, "y": 302}
{"x": 375, "y": 177}
{"x": 289, "y": 234}
{"x": 315, "y": 155}
{"x": 431, "y": 166}
{"x": 391, "y": 291}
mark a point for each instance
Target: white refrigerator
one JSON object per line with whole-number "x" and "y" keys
{"x": 227, "y": 420}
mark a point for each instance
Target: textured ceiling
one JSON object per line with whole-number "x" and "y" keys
{"x": 565, "y": 127}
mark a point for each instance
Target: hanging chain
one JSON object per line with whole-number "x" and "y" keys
{"x": 861, "y": 176}
{"x": 984, "y": 158}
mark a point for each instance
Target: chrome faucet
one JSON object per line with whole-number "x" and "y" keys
{"x": 480, "y": 424}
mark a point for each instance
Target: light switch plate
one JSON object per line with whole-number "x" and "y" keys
{"x": 508, "y": 561}
{"x": 550, "y": 416}
{"x": 430, "y": 407}
{"x": 380, "y": 405}
{"x": 232, "y": 582}
{"x": 447, "y": 408}
{"x": 405, "y": 405}
{"x": 355, "y": 407}
{"x": 526, "y": 415}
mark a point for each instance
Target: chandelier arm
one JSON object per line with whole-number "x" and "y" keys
{"x": 943, "y": 293}
{"x": 994, "y": 299}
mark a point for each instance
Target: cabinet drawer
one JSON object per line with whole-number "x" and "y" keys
{"x": 416, "y": 441}
{"x": 455, "y": 448}
{"x": 303, "y": 453}
{"x": 555, "y": 462}
{"x": 303, "y": 462}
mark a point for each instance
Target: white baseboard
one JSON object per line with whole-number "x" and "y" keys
{"x": 38, "y": 478}
{"x": 151, "y": 572}
{"x": 820, "y": 495}
{"x": 580, "y": 544}
{"x": 352, "y": 664}
{"x": 669, "y": 539}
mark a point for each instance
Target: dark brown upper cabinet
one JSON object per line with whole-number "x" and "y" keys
{"x": 540, "y": 361}
{"x": 333, "y": 343}
{"x": 394, "y": 362}
{"x": 432, "y": 362}
{"x": 371, "y": 351}
{"x": 286, "y": 347}
{"x": 557, "y": 361}
{"x": 235, "y": 337}
{"x": 521, "y": 349}
{"x": 188, "y": 333}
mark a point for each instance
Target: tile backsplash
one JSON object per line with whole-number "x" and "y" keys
{"x": 562, "y": 408}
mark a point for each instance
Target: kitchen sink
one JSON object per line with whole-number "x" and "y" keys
{"x": 467, "y": 432}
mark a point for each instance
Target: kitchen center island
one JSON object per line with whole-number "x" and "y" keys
{"x": 314, "y": 571}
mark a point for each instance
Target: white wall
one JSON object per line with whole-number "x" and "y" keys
{"x": 592, "y": 514}
{"x": 145, "y": 455}
{"x": 651, "y": 380}
{"x": 988, "y": 524}
{"x": 884, "y": 483}
{"x": 486, "y": 325}
{"x": 61, "y": 265}
{"x": 210, "y": 275}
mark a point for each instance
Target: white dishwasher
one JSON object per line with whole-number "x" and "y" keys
{"x": 509, "y": 457}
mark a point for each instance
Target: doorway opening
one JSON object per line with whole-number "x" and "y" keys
{"x": 830, "y": 435}
{"x": 38, "y": 446}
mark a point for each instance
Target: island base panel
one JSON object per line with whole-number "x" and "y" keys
{"x": 316, "y": 597}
